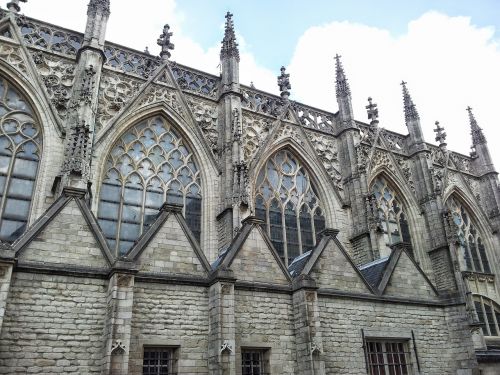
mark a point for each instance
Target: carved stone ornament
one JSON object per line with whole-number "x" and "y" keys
{"x": 226, "y": 288}
{"x": 118, "y": 348}
{"x": 255, "y": 131}
{"x": 78, "y": 150}
{"x": 164, "y": 42}
{"x": 226, "y": 347}
{"x": 315, "y": 349}
{"x": 326, "y": 150}
{"x": 206, "y": 116}
{"x": 124, "y": 280}
{"x": 13, "y": 56}
{"x": 156, "y": 93}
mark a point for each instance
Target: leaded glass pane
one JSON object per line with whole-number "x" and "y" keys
{"x": 288, "y": 201}
{"x": 20, "y": 150}
{"x": 471, "y": 246}
{"x": 149, "y": 165}
{"x": 390, "y": 213}
{"x": 488, "y": 313}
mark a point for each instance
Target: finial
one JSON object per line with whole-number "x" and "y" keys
{"x": 164, "y": 42}
{"x": 229, "y": 46}
{"x": 342, "y": 86}
{"x": 440, "y": 134}
{"x": 372, "y": 111}
{"x": 146, "y": 50}
{"x": 95, "y": 5}
{"x": 13, "y": 5}
{"x": 252, "y": 85}
{"x": 410, "y": 108}
{"x": 284, "y": 83}
{"x": 475, "y": 130}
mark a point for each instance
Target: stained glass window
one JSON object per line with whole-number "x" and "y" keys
{"x": 288, "y": 202}
{"x": 149, "y": 165}
{"x": 471, "y": 245}
{"x": 20, "y": 151}
{"x": 390, "y": 213}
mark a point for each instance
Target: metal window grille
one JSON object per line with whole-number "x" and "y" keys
{"x": 159, "y": 361}
{"x": 252, "y": 362}
{"x": 388, "y": 358}
{"x": 287, "y": 200}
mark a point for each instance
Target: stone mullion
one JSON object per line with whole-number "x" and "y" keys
{"x": 117, "y": 331}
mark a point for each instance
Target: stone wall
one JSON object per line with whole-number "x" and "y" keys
{"x": 265, "y": 320}
{"x": 170, "y": 315}
{"x": 53, "y": 325}
{"x": 442, "y": 344}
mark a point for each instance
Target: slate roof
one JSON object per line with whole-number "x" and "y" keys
{"x": 298, "y": 264}
{"x": 373, "y": 271}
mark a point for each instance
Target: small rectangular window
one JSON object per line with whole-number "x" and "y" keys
{"x": 388, "y": 358}
{"x": 159, "y": 361}
{"x": 254, "y": 362}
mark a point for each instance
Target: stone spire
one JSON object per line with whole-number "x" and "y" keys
{"x": 342, "y": 86}
{"x": 416, "y": 140}
{"x": 344, "y": 99}
{"x": 229, "y": 46}
{"x": 284, "y": 83}
{"x": 97, "y": 20}
{"x": 372, "y": 111}
{"x": 440, "y": 135}
{"x": 410, "y": 108}
{"x": 13, "y": 5}
{"x": 165, "y": 44}
{"x": 475, "y": 130}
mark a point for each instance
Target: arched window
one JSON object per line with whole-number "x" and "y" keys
{"x": 390, "y": 213}
{"x": 287, "y": 200}
{"x": 488, "y": 313}
{"x": 20, "y": 151}
{"x": 471, "y": 245}
{"x": 149, "y": 165}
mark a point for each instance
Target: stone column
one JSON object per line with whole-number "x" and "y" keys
{"x": 308, "y": 336}
{"x": 117, "y": 330}
{"x": 222, "y": 344}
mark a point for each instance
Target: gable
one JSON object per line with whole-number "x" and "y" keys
{"x": 333, "y": 270}
{"x": 408, "y": 281}
{"x": 256, "y": 262}
{"x": 66, "y": 239}
{"x": 169, "y": 251}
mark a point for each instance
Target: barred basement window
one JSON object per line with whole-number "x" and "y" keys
{"x": 149, "y": 165}
{"x": 287, "y": 201}
{"x": 20, "y": 151}
{"x": 159, "y": 361}
{"x": 388, "y": 358}
{"x": 254, "y": 362}
{"x": 471, "y": 245}
{"x": 488, "y": 313}
{"x": 390, "y": 212}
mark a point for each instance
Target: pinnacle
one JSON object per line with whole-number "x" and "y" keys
{"x": 410, "y": 109}
{"x": 475, "y": 130}
{"x": 229, "y": 46}
{"x": 440, "y": 134}
{"x": 342, "y": 86}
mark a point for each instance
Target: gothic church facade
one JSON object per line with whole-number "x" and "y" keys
{"x": 156, "y": 219}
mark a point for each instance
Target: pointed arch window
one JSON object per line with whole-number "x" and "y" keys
{"x": 287, "y": 201}
{"x": 149, "y": 165}
{"x": 471, "y": 245}
{"x": 20, "y": 151}
{"x": 488, "y": 313}
{"x": 390, "y": 213}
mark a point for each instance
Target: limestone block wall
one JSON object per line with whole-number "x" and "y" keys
{"x": 170, "y": 315}
{"x": 53, "y": 325}
{"x": 265, "y": 320}
{"x": 443, "y": 346}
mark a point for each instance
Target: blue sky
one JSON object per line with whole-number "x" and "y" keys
{"x": 271, "y": 27}
{"x": 447, "y": 50}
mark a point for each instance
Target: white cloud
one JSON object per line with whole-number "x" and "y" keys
{"x": 448, "y": 64}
